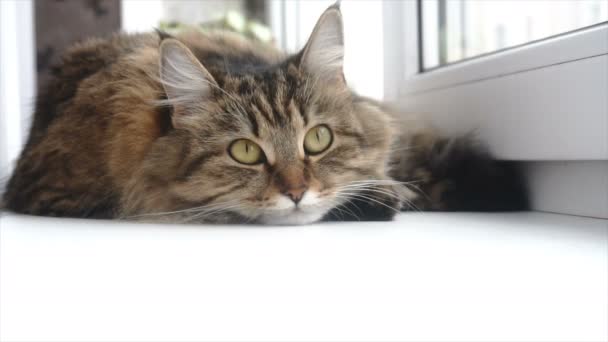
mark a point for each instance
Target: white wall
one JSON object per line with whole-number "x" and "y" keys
{"x": 292, "y": 21}
{"x": 17, "y": 78}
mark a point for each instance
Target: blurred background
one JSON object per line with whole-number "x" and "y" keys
{"x": 285, "y": 24}
{"x": 378, "y": 36}
{"x": 452, "y": 30}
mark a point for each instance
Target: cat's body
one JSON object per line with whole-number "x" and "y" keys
{"x": 160, "y": 127}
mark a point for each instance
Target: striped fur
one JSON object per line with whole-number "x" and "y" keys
{"x": 139, "y": 126}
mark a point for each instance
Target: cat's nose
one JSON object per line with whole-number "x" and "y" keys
{"x": 292, "y": 183}
{"x": 295, "y": 194}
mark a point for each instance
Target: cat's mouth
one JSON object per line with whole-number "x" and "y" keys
{"x": 285, "y": 212}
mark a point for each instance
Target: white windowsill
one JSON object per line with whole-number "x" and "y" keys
{"x": 424, "y": 276}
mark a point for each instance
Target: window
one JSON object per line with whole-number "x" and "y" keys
{"x": 453, "y": 30}
{"x": 532, "y": 87}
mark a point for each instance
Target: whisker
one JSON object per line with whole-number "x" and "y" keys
{"x": 341, "y": 206}
{"x": 205, "y": 214}
{"x": 187, "y": 210}
{"x": 360, "y": 196}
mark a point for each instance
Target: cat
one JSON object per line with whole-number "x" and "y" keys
{"x": 219, "y": 129}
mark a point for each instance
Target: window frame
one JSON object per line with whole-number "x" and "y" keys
{"x": 535, "y": 63}
{"x": 567, "y": 47}
{"x": 563, "y": 75}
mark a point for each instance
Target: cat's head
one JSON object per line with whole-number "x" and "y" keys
{"x": 280, "y": 145}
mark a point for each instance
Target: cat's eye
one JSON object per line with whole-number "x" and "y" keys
{"x": 318, "y": 139}
{"x": 246, "y": 152}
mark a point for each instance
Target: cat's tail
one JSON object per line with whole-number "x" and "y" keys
{"x": 457, "y": 174}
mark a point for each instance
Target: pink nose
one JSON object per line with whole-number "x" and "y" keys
{"x": 295, "y": 194}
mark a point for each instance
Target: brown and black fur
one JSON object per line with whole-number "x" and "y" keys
{"x": 101, "y": 146}
{"x": 458, "y": 174}
{"x": 82, "y": 148}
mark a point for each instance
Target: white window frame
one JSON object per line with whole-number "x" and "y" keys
{"x": 544, "y": 103}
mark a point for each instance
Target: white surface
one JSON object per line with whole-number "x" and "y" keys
{"x": 423, "y": 277}
{"x": 543, "y": 101}
{"x": 400, "y": 34}
{"x": 570, "y": 187}
{"x": 292, "y": 23}
{"x": 554, "y": 113}
{"x": 17, "y": 78}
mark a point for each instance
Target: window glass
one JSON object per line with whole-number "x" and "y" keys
{"x": 453, "y": 30}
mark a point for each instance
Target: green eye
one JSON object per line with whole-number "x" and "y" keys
{"x": 246, "y": 152}
{"x": 317, "y": 140}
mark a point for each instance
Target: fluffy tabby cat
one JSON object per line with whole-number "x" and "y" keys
{"x": 215, "y": 128}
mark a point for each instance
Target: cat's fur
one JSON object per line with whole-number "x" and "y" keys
{"x": 138, "y": 126}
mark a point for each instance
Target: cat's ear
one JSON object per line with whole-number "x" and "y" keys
{"x": 186, "y": 81}
{"x": 323, "y": 55}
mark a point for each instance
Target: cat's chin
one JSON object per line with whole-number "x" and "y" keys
{"x": 295, "y": 217}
